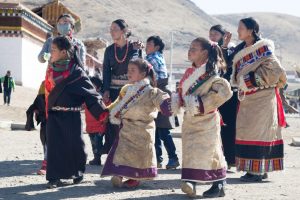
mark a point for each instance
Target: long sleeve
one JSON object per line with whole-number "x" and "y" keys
{"x": 268, "y": 74}
{"x": 162, "y": 101}
{"x": 12, "y": 82}
{"x": 106, "y": 71}
{"x": 82, "y": 52}
{"x": 46, "y": 49}
{"x": 91, "y": 97}
{"x": 121, "y": 95}
{"x": 218, "y": 94}
{"x": 136, "y": 53}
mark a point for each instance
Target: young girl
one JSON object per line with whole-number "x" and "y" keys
{"x": 68, "y": 87}
{"x": 133, "y": 155}
{"x": 201, "y": 92}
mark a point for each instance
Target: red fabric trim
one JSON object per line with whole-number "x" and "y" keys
{"x": 201, "y": 106}
{"x": 280, "y": 111}
{"x": 259, "y": 143}
{"x": 221, "y": 119}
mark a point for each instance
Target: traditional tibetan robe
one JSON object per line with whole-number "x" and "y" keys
{"x": 66, "y": 157}
{"x": 200, "y": 95}
{"x": 258, "y": 75}
{"x": 133, "y": 153}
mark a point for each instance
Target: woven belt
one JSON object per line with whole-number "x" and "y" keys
{"x": 66, "y": 109}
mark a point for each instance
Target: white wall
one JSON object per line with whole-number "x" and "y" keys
{"x": 33, "y": 72}
{"x": 10, "y": 57}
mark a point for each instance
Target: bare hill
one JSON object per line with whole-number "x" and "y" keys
{"x": 181, "y": 17}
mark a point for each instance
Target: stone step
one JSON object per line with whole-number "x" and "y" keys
{"x": 296, "y": 141}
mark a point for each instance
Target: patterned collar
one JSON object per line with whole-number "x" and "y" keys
{"x": 133, "y": 93}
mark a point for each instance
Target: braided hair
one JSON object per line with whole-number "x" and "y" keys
{"x": 215, "y": 55}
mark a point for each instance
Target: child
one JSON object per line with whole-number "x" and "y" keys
{"x": 68, "y": 87}
{"x": 201, "y": 92}
{"x": 133, "y": 155}
{"x": 94, "y": 128}
{"x": 154, "y": 51}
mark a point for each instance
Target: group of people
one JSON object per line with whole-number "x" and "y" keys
{"x": 229, "y": 96}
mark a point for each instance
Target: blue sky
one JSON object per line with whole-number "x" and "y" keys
{"x": 291, "y": 7}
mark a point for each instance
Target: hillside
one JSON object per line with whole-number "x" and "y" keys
{"x": 181, "y": 17}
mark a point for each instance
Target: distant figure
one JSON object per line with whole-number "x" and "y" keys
{"x": 37, "y": 108}
{"x": 8, "y": 86}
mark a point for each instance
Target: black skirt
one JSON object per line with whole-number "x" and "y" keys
{"x": 66, "y": 157}
{"x": 229, "y": 112}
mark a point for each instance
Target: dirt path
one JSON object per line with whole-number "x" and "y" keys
{"x": 21, "y": 155}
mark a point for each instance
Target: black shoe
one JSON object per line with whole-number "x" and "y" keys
{"x": 78, "y": 180}
{"x": 265, "y": 176}
{"x": 172, "y": 164}
{"x": 54, "y": 184}
{"x": 251, "y": 178}
{"x": 216, "y": 190}
{"x": 95, "y": 161}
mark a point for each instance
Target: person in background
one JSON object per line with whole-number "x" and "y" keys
{"x": 154, "y": 51}
{"x": 8, "y": 87}
{"x": 65, "y": 27}
{"x": 115, "y": 65}
{"x": 228, "y": 110}
{"x": 94, "y": 127}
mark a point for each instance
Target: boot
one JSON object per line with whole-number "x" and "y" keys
{"x": 78, "y": 179}
{"x": 159, "y": 165}
{"x": 265, "y": 176}
{"x": 54, "y": 184}
{"x": 251, "y": 178}
{"x": 131, "y": 183}
{"x": 189, "y": 188}
{"x": 117, "y": 181}
{"x": 216, "y": 190}
{"x": 172, "y": 164}
{"x": 95, "y": 161}
{"x": 43, "y": 169}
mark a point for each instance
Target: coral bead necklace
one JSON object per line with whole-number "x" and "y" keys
{"x": 125, "y": 56}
